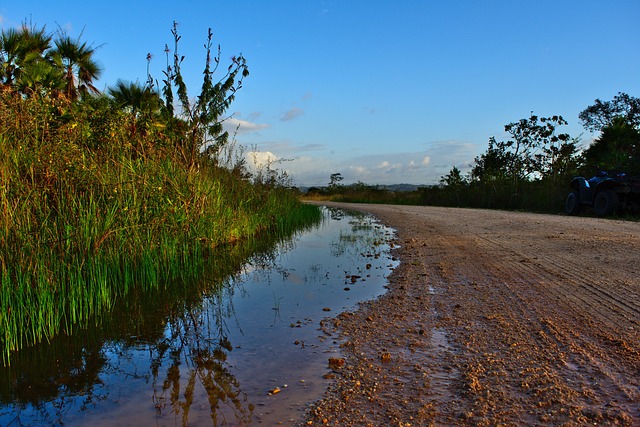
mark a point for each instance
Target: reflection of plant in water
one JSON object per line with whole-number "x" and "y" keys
{"x": 365, "y": 237}
{"x": 336, "y": 214}
{"x": 315, "y": 273}
{"x": 36, "y": 376}
{"x": 197, "y": 339}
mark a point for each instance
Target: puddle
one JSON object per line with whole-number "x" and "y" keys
{"x": 208, "y": 354}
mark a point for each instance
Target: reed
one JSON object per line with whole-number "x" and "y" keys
{"x": 86, "y": 218}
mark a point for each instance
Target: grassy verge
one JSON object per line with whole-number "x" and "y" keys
{"x": 89, "y": 211}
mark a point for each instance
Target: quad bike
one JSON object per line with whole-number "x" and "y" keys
{"x": 607, "y": 193}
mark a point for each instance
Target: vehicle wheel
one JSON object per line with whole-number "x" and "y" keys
{"x": 606, "y": 203}
{"x": 572, "y": 205}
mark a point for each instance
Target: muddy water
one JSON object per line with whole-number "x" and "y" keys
{"x": 243, "y": 350}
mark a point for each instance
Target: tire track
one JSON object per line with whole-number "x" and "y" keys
{"x": 561, "y": 277}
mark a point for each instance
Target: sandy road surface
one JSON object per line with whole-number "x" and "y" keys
{"x": 494, "y": 318}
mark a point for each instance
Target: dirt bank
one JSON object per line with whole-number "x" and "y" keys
{"x": 494, "y": 318}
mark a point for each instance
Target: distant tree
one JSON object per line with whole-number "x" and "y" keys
{"x": 453, "y": 179}
{"x": 535, "y": 144}
{"x": 454, "y": 182}
{"x": 558, "y": 159}
{"x": 617, "y": 148}
{"x": 533, "y": 151}
{"x": 335, "y": 179}
{"x": 492, "y": 165}
{"x": 602, "y": 114}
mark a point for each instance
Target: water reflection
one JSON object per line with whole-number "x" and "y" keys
{"x": 207, "y": 353}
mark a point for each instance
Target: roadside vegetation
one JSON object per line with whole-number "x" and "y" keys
{"x": 104, "y": 192}
{"x": 530, "y": 171}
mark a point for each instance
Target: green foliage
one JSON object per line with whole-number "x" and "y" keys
{"x": 100, "y": 195}
{"x": 34, "y": 62}
{"x": 362, "y": 193}
{"x": 616, "y": 149}
{"x": 618, "y": 146}
{"x": 201, "y": 123}
{"x": 334, "y": 179}
{"x": 535, "y": 151}
{"x": 601, "y": 114}
{"x": 529, "y": 171}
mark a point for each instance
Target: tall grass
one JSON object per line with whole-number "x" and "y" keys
{"x": 77, "y": 360}
{"x": 89, "y": 211}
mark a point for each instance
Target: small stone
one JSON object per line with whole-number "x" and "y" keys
{"x": 274, "y": 391}
{"x": 336, "y": 362}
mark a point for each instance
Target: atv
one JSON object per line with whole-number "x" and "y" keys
{"x": 607, "y": 193}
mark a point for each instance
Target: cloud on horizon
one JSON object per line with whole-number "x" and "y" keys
{"x": 420, "y": 168}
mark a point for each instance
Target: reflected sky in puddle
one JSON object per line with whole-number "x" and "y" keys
{"x": 212, "y": 357}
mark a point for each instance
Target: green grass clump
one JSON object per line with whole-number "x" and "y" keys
{"x": 90, "y": 209}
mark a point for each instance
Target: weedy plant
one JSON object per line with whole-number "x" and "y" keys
{"x": 100, "y": 194}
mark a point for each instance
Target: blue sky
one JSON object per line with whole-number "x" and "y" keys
{"x": 382, "y": 92}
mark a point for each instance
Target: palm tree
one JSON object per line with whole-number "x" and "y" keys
{"x": 79, "y": 67}
{"x": 40, "y": 76}
{"x": 142, "y": 103}
{"x": 9, "y": 55}
{"x": 18, "y": 48}
{"x": 134, "y": 96}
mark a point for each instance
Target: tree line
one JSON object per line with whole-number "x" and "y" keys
{"x": 532, "y": 168}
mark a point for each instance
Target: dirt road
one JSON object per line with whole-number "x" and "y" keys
{"x": 494, "y": 318}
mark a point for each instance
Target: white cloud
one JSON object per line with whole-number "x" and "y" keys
{"x": 359, "y": 170}
{"x": 293, "y": 113}
{"x": 260, "y": 159}
{"x": 242, "y": 126}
